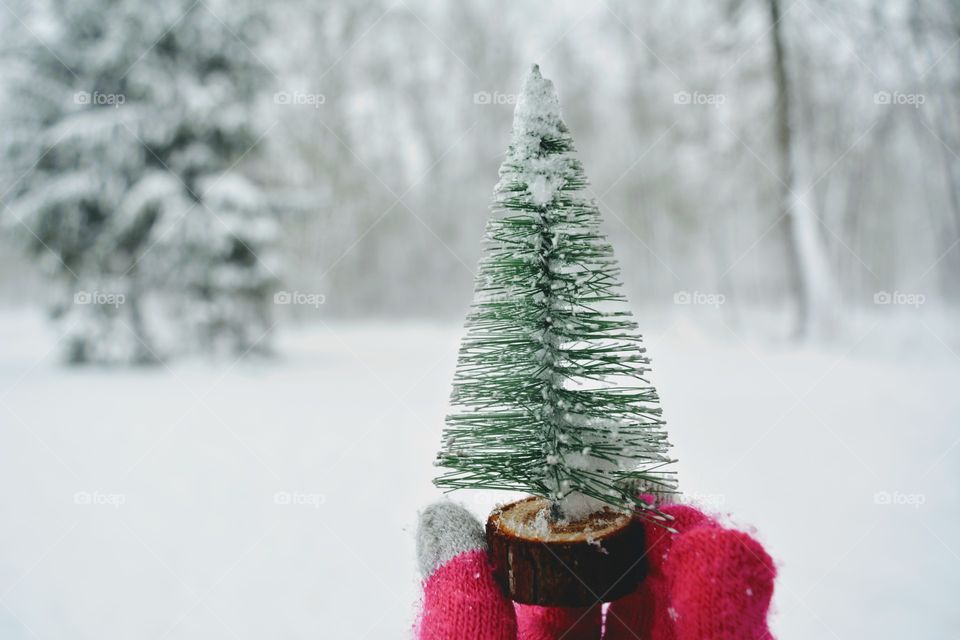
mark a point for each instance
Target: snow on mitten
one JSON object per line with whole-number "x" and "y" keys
{"x": 721, "y": 582}
{"x": 704, "y": 582}
{"x": 646, "y": 612}
{"x": 461, "y": 600}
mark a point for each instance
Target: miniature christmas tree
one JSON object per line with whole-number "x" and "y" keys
{"x": 550, "y": 396}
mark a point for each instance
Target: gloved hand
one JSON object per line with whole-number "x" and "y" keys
{"x": 705, "y": 582}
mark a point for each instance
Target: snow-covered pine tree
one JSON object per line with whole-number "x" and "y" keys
{"x": 116, "y": 112}
{"x": 223, "y": 288}
{"x": 550, "y": 396}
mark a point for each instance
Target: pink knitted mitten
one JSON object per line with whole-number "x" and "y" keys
{"x": 705, "y": 583}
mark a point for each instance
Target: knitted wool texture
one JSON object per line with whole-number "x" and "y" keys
{"x": 461, "y": 601}
{"x": 551, "y": 623}
{"x": 646, "y": 612}
{"x": 705, "y": 583}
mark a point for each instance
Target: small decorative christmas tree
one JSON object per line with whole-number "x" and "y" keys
{"x": 550, "y": 396}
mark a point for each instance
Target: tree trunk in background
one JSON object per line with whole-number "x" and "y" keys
{"x": 946, "y": 224}
{"x": 808, "y": 267}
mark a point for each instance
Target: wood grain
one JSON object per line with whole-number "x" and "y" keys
{"x": 574, "y": 564}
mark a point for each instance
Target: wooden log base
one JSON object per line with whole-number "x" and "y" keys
{"x": 564, "y": 564}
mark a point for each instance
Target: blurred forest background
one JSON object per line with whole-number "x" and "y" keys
{"x": 180, "y": 176}
{"x": 182, "y": 179}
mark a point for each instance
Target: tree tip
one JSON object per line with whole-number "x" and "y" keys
{"x": 538, "y": 98}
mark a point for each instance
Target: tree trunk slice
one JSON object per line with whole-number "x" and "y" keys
{"x": 575, "y": 564}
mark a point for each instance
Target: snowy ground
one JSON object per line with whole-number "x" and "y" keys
{"x": 145, "y": 504}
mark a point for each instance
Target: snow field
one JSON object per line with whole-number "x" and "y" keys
{"x": 279, "y": 499}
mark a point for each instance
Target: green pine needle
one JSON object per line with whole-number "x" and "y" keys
{"x": 550, "y": 395}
